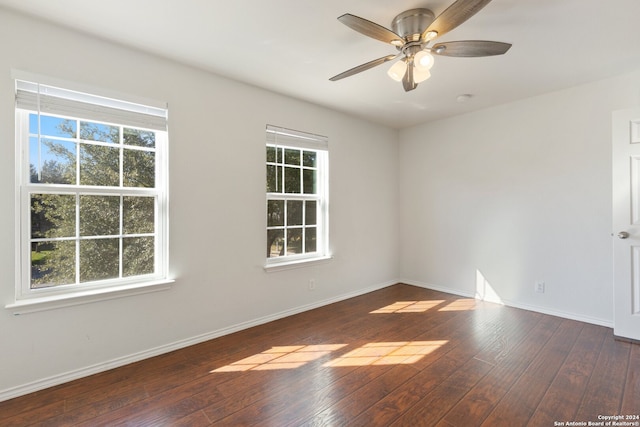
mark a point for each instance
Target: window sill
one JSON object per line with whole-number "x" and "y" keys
{"x": 52, "y": 302}
{"x": 288, "y": 265}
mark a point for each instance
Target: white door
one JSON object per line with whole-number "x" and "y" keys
{"x": 626, "y": 223}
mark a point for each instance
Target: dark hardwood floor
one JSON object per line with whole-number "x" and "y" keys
{"x": 401, "y": 356}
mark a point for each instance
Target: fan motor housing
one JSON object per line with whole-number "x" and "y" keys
{"x": 411, "y": 24}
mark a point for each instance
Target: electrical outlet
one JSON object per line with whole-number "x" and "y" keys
{"x": 539, "y": 287}
{"x": 312, "y": 284}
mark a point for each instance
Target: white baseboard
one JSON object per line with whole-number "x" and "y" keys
{"x": 54, "y": 380}
{"x": 514, "y": 304}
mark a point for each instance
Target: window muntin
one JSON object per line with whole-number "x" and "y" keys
{"x": 296, "y": 181}
{"x": 93, "y": 200}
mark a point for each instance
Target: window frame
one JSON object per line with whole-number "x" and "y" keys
{"x": 284, "y": 138}
{"x": 89, "y": 291}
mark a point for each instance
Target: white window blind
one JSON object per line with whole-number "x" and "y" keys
{"x": 283, "y": 136}
{"x": 53, "y": 100}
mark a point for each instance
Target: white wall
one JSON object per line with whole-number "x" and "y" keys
{"x": 217, "y": 213}
{"x": 517, "y": 194}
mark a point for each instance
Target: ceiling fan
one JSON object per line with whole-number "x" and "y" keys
{"x": 411, "y": 33}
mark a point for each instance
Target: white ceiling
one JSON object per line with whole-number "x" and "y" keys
{"x": 294, "y": 46}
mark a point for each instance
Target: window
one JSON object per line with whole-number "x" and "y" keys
{"x": 297, "y": 203}
{"x": 93, "y": 192}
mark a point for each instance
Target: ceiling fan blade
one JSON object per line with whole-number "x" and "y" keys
{"x": 455, "y": 15}
{"x": 470, "y": 48}
{"x": 408, "y": 83}
{"x": 363, "y": 67}
{"x": 371, "y": 29}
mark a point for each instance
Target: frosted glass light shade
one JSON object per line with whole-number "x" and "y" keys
{"x": 430, "y": 35}
{"x": 420, "y": 75}
{"x": 423, "y": 60}
{"x": 397, "y": 70}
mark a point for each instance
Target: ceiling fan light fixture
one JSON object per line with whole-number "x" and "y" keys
{"x": 423, "y": 60}
{"x": 397, "y": 70}
{"x": 420, "y": 75}
{"x": 412, "y": 32}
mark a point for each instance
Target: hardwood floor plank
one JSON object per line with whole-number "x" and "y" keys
{"x": 435, "y": 371}
{"x": 325, "y": 396}
{"x": 523, "y": 397}
{"x": 378, "y": 328}
{"x": 29, "y": 417}
{"x": 321, "y": 388}
{"x": 311, "y": 373}
{"x": 107, "y": 403}
{"x": 344, "y": 411}
{"x": 500, "y": 339}
{"x": 197, "y": 419}
{"x": 564, "y": 395}
{"x": 510, "y": 362}
{"x": 270, "y": 393}
{"x": 315, "y": 375}
{"x": 329, "y": 397}
{"x": 605, "y": 389}
{"x": 126, "y": 393}
{"x": 158, "y": 406}
{"x": 631, "y": 399}
{"x": 88, "y": 385}
{"x": 393, "y": 405}
{"x": 325, "y": 399}
{"x": 433, "y": 407}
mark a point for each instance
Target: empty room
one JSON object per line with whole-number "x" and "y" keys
{"x": 288, "y": 213}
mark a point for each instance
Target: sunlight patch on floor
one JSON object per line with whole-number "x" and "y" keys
{"x": 387, "y": 353}
{"x": 371, "y": 354}
{"x": 408, "y": 307}
{"x": 281, "y": 357}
